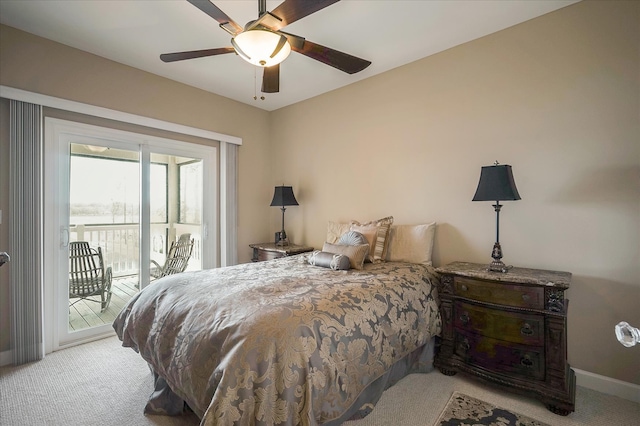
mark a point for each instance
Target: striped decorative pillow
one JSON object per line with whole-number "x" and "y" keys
{"x": 377, "y": 234}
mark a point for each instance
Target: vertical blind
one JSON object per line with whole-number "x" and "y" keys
{"x": 229, "y": 204}
{"x": 25, "y": 145}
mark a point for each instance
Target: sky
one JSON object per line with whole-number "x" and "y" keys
{"x": 103, "y": 181}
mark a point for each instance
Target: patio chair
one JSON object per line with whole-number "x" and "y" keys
{"x": 177, "y": 258}
{"x": 88, "y": 278}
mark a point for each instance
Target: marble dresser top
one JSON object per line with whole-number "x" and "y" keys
{"x": 557, "y": 279}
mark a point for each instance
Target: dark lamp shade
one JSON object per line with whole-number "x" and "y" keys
{"x": 283, "y": 196}
{"x": 496, "y": 184}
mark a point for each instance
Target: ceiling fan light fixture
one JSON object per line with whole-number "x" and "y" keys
{"x": 261, "y": 47}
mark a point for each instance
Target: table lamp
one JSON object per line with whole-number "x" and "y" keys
{"x": 283, "y": 196}
{"x": 497, "y": 184}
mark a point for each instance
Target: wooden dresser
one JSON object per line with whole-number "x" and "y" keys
{"x": 268, "y": 251}
{"x": 509, "y": 329}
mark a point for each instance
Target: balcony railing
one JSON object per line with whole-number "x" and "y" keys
{"x": 120, "y": 244}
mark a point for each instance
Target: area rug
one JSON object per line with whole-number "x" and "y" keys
{"x": 465, "y": 410}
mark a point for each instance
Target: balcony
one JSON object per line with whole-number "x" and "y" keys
{"x": 84, "y": 314}
{"x": 120, "y": 247}
{"x": 105, "y": 192}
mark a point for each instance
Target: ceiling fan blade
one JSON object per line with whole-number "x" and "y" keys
{"x": 290, "y": 11}
{"x": 340, "y": 60}
{"x": 181, "y": 56}
{"x": 271, "y": 79}
{"x": 294, "y": 40}
{"x": 226, "y": 23}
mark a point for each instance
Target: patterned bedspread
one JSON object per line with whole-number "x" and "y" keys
{"x": 280, "y": 342}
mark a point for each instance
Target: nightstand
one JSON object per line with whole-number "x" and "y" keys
{"x": 268, "y": 251}
{"x": 509, "y": 329}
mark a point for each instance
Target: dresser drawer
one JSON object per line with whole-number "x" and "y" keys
{"x": 500, "y": 293}
{"x": 263, "y": 255}
{"x": 516, "y": 327}
{"x": 500, "y": 356}
{"x": 269, "y": 251}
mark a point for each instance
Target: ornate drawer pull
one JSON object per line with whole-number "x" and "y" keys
{"x": 526, "y": 297}
{"x": 464, "y": 345}
{"x": 463, "y": 287}
{"x": 464, "y": 318}
{"x": 526, "y": 330}
{"x": 526, "y": 361}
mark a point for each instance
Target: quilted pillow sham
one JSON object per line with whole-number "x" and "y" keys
{"x": 335, "y": 230}
{"x": 337, "y": 262}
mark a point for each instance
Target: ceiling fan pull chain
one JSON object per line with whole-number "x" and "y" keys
{"x": 255, "y": 85}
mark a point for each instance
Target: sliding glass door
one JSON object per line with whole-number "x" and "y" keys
{"x": 176, "y": 213}
{"x": 104, "y": 214}
{"x": 125, "y": 202}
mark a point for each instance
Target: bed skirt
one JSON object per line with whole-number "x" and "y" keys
{"x": 163, "y": 401}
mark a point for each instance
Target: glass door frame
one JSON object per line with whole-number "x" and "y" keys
{"x": 59, "y": 134}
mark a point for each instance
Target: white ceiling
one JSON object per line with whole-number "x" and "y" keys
{"x": 388, "y": 33}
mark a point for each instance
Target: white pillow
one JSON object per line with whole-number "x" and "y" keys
{"x": 411, "y": 243}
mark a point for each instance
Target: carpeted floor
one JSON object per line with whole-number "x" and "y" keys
{"x": 102, "y": 383}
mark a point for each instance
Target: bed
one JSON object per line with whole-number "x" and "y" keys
{"x": 282, "y": 342}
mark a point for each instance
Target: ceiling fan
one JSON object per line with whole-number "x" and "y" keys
{"x": 262, "y": 43}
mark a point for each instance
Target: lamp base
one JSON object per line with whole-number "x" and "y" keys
{"x": 282, "y": 243}
{"x": 498, "y": 265}
{"x": 281, "y": 239}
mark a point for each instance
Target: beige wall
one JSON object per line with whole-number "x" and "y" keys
{"x": 558, "y": 99}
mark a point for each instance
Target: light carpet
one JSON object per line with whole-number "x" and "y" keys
{"x": 102, "y": 383}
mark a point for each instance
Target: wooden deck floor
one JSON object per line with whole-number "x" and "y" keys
{"x": 84, "y": 314}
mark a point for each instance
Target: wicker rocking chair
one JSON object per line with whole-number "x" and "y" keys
{"x": 88, "y": 277}
{"x": 177, "y": 258}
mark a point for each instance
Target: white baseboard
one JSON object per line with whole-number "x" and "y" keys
{"x": 608, "y": 385}
{"x": 6, "y": 358}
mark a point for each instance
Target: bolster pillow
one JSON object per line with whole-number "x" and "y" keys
{"x": 337, "y": 262}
